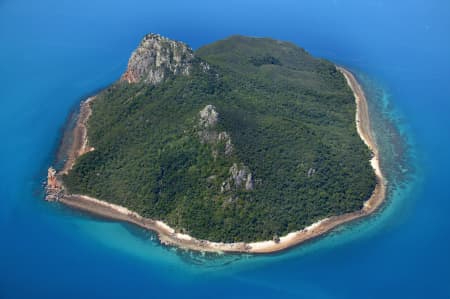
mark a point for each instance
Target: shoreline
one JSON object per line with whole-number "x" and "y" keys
{"x": 79, "y": 144}
{"x": 168, "y": 236}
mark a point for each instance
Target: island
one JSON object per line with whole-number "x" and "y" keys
{"x": 243, "y": 145}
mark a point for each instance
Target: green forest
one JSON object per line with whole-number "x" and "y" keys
{"x": 291, "y": 120}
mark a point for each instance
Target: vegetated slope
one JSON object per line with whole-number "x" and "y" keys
{"x": 256, "y": 139}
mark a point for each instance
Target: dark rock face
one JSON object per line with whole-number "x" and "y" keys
{"x": 156, "y": 58}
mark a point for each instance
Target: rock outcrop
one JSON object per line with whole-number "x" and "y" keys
{"x": 226, "y": 139}
{"x": 51, "y": 178}
{"x": 54, "y": 187}
{"x": 156, "y": 58}
{"x": 221, "y": 141}
{"x": 311, "y": 172}
{"x": 208, "y": 117}
{"x": 240, "y": 178}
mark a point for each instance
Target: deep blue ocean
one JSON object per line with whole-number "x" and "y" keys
{"x": 53, "y": 53}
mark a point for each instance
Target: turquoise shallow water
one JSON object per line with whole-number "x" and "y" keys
{"x": 54, "y": 53}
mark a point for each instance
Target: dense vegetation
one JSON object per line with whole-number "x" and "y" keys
{"x": 291, "y": 119}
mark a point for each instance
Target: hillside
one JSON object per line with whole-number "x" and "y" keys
{"x": 244, "y": 139}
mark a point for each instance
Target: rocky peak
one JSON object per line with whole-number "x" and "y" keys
{"x": 156, "y": 58}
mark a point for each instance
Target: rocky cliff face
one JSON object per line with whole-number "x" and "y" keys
{"x": 156, "y": 58}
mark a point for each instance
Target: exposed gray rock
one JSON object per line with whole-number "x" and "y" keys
{"x": 240, "y": 178}
{"x": 249, "y": 184}
{"x": 205, "y": 66}
{"x": 224, "y": 137}
{"x": 208, "y": 134}
{"x": 207, "y": 122}
{"x": 240, "y": 175}
{"x": 211, "y": 178}
{"x": 226, "y": 186}
{"x": 311, "y": 172}
{"x": 208, "y": 117}
{"x": 157, "y": 57}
